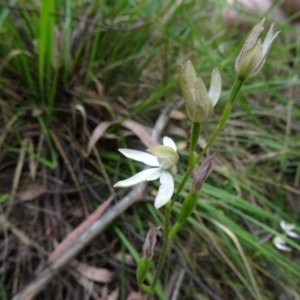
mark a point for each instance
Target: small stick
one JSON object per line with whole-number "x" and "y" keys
{"x": 45, "y": 276}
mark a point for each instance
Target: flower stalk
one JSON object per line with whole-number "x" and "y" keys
{"x": 196, "y": 129}
{"x": 199, "y": 105}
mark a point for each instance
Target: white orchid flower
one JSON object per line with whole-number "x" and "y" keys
{"x": 162, "y": 158}
{"x": 280, "y": 243}
{"x": 288, "y": 229}
{"x": 254, "y": 53}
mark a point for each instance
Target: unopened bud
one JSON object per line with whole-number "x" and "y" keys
{"x": 150, "y": 241}
{"x": 199, "y": 103}
{"x": 254, "y": 53}
{"x": 202, "y": 173}
{"x": 147, "y": 253}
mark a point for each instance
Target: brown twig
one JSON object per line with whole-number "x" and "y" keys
{"x": 45, "y": 276}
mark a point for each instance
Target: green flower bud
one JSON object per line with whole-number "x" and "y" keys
{"x": 150, "y": 241}
{"x": 202, "y": 173}
{"x": 254, "y": 53}
{"x": 147, "y": 253}
{"x": 199, "y": 103}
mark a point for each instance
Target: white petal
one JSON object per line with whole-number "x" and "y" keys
{"x": 268, "y": 40}
{"x": 250, "y": 41}
{"x": 286, "y": 226}
{"x": 254, "y": 34}
{"x": 143, "y": 157}
{"x": 293, "y": 234}
{"x": 165, "y": 191}
{"x": 215, "y": 86}
{"x": 169, "y": 143}
{"x": 145, "y": 175}
{"x": 282, "y": 247}
{"x": 155, "y": 175}
{"x": 271, "y": 36}
{"x": 283, "y": 225}
{"x": 280, "y": 244}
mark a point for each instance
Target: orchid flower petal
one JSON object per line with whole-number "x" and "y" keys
{"x": 165, "y": 191}
{"x": 190, "y": 72}
{"x": 215, "y": 86}
{"x": 144, "y": 157}
{"x": 293, "y": 234}
{"x": 283, "y": 225}
{"x": 145, "y": 175}
{"x": 280, "y": 244}
{"x": 169, "y": 143}
{"x": 286, "y": 226}
{"x": 268, "y": 39}
{"x": 253, "y": 36}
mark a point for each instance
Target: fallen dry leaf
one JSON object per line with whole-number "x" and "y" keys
{"x": 31, "y": 191}
{"x": 90, "y": 272}
{"x": 177, "y": 115}
{"x": 141, "y": 132}
{"x": 97, "y": 134}
{"x": 178, "y": 131}
{"x": 79, "y": 230}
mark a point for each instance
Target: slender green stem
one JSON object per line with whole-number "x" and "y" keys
{"x": 182, "y": 183}
{"x": 196, "y": 128}
{"x": 163, "y": 251}
{"x": 235, "y": 89}
{"x": 225, "y": 115}
{"x": 192, "y": 162}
